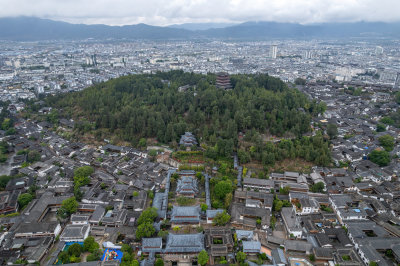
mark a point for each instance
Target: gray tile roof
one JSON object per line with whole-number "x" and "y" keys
{"x": 190, "y": 243}
{"x": 152, "y": 244}
{"x": 251, "y": 246}
{"x": 190, "y": 214}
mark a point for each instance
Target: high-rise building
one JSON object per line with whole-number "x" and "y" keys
{"x": 379, "y": 50}
{"x": 273, "y": 51}
{"x": 223, "y": 81}
{"x": 397, "y": 82}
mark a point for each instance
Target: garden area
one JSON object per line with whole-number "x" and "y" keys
{"x": 75, "y": 252}
{"x": 188, "y": 156}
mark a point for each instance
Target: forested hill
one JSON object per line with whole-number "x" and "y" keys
{"x": 137, "y": 106}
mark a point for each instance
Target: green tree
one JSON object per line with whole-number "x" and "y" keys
{"x": 332, "y": 131}
{"x": 135, "y": 263}
{"x": 148, "y": 215}
{"x": 159, "y": 262}
{"x": 163, "y": 234}
{"x": 380, "y": 128}
{"x": 397, "y": 97}
{"x": 64, "y": 257}
{"x": 84, "y": 171}
{"x": 300, "y": 81}
{"x": 75, "y": 250}
{"x": 135, "y": 193}
{"x": 380, "y": 157}
{"x": 203, "y": 257}
{"x": 94, "y": 256}
{"x": 142, "y": 142}
{"x": 240, "y": 256}
{"x": 145, "y": 230}
{"x": 228, "y": 200}
{"x": 89, "y": 244}
{"x": 6, "y": 124}
{"x": 387, "y": 142}
{"x": 221, "y": 219}
{"x": 387, "y": 120}
{"x": 33, "y": 156}
{"x": 285, "y": 190}
{"x": 126, "y": 248}
{"x": 68, "y": 207}
{"x": 318, "y": 187}
{"x": 204, "y": 207}
{"x": 24, "y": 200}
{"x": 153, "y": 153}
{"x": 222, "y": 188}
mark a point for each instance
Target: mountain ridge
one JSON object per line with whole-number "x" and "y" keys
{"x": 37, "y": 29}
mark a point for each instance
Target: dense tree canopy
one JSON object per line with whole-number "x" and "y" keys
{"x": 221, "y": 219}
{"x": 68, "y": 207}
{"x": 380, "y": 157}
{"x": 24, "y": 199}
{"x": 147, "y": 215}
{"x": 387, "y": 142}
{"x": 137, "y": 106}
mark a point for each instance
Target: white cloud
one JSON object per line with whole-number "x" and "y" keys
{"x": 164, "y": 12}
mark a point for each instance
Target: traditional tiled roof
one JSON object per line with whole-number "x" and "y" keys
{"x": 187, "y": 185}
{"x": 152, "y": 244}
{"x": 188, "y": 140}
{"x": 251, "y": 246}
{"x": 189, "y": 214}
{"x": 190, "y": 243}
{"x": 213, "y": 213}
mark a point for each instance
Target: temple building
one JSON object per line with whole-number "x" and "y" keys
{"x": 187, "y": 187}
{"x": 183, "y": 248}
{"x": 185, "y": 215}
{"x": 223, "y": 81}
{"x": 188, "y": 140}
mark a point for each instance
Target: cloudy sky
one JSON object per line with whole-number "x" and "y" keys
{"x": 166, "y": 12}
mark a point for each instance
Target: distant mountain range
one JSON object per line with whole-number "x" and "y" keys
{"x": 36, "y": 29}
{"x": 202, "y": 26}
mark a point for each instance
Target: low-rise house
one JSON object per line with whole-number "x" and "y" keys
{"x": 219, "y": 241}
{"x": 75, "y": 233}
{"x": 251, "y": 247}
{"x": 79, "y": 219}
{"x": 114, "y": 218}
{"x": 291, "y": 222}
{"x": 34, "y": 229}
{"x": 297, "y": 247}
{"x": 307, "y": 206}
{"x": 9, "y": 201}
{"x": 258, "y": 184}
